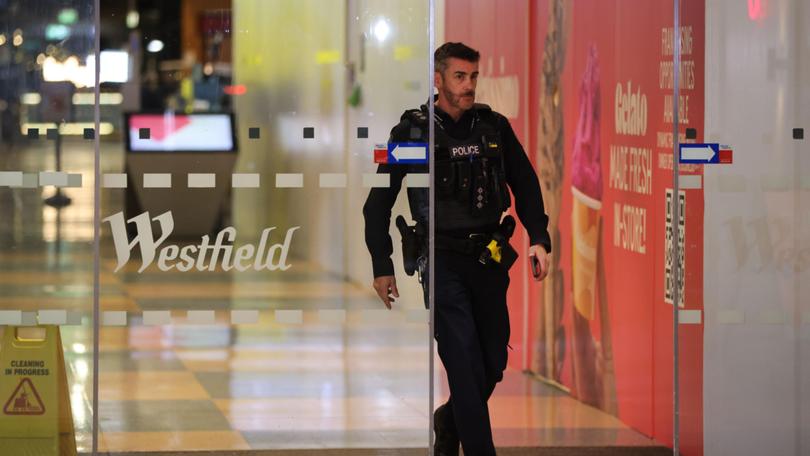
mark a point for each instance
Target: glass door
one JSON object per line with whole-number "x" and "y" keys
{"x": 232, "y": 221}
{"x": 743, "y": 337}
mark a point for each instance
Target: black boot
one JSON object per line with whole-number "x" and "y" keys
{"x": 447, "y": 442}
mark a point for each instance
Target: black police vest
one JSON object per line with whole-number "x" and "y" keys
{"x": 470, "y": 179}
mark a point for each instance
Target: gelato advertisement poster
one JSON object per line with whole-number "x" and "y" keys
{"x": 596, "y": 119}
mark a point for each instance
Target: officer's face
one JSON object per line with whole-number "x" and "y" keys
{"x": 457, "y": 84}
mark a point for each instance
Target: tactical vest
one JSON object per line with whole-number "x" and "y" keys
{"x": 470, "y": 179}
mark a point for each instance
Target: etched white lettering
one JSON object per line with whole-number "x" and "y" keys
{"x": 168, "y": 254}
{"x": 144, "y": 238}
{"x": 191, "y": 257}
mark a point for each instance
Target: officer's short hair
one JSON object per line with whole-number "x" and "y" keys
{"x": 456, "y": 50}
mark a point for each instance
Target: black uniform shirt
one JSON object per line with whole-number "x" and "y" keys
{"x": 520, "y": 176}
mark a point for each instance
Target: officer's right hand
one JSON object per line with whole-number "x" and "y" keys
{"x": 384, "y": 285}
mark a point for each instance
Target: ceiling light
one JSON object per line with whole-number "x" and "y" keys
{"x": 154, "y": 46}
{"x": 381, "y": 30}
{"x": 133, "y": 19}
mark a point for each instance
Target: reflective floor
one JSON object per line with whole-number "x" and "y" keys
{"x": 191, "y": 366}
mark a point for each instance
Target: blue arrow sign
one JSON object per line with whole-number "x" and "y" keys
{"x": 407, "y": 152}
{"x": 700, "y": 153}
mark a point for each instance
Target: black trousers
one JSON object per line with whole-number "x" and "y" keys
{"x": 472, "y": 334}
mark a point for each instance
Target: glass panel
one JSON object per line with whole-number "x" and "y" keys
{"x": 47, "y": 158}
{"x": 745, "y": 322}
{"x": 247, "y": 319}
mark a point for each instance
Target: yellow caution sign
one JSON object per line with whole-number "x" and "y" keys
{"x": 36, "y": 417}
{"x": 25, "y": 400}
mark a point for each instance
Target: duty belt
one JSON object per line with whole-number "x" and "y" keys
{"x": 488, "y": 247}
{"x": 471, "y": 245}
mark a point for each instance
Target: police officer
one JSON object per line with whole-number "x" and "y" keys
{"x": 477, "y": 155}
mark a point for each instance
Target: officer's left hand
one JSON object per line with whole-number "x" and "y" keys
{"x": 539, "y": 251}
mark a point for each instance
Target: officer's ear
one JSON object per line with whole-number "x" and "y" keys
{"x": 438, "y": 79}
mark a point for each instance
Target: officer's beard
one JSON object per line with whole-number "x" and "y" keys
{"x": 458, "y": 101}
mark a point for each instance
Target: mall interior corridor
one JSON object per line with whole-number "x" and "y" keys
{"x": 200, "y": 227}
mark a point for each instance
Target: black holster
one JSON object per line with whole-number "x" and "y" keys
{"x": 508, "y": 254}
{"x": 413, "y": 238}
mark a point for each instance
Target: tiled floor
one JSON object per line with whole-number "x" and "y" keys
{"x": 268, "y": 385}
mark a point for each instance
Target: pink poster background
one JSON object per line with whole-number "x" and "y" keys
{"x": 628, "y": 370}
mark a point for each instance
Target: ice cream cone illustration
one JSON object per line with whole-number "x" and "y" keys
{"x": 586, "y": 220}
{"x": 586, "y": 224}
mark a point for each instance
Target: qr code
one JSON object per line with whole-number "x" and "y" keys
{"x": 668, "y": 264}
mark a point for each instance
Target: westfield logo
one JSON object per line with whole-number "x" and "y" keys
{"x": 202, "y": 257}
